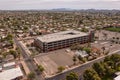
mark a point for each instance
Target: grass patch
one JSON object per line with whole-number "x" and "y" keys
{"x": 113, "y": 29}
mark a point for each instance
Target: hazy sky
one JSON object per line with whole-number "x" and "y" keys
{"x": 50, "y": 4}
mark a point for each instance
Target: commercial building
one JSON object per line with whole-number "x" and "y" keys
{"x": 10, "y": 71}
{"x": 62, "y": 39}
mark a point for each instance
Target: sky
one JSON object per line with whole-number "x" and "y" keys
{"x": 53, "y": 4}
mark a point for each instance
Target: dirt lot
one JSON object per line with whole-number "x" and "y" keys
{"x": 52, "y": 60}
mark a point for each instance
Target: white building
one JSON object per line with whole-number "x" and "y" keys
{"x": 10, "y": 71}
{"x": 81, "y": 53}
{"x": 117, "y": 78}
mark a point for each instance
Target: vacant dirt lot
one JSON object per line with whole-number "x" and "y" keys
{"x": 52, "y": 60}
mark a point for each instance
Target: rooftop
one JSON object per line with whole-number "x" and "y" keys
{"x": 11, "y": 74}
{"x": 9, "y": 64}
{"x": 61, "y": 36}
{"x": 81, "y": 53}
{"x": 117, "y": 78}
{"x": 117, "y": 73}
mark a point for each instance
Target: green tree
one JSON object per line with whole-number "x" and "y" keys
{"x": 109, "y": 71}
{"x": 91, "y": 74}
{"x": 107, "y": 59}
{"x": 84, "y": 30}
{"x": 12, "y": 52}
{"x": 72, "y": 76}
{"x": 81, "y": 59}
{"x": 99, "y": 68}
{"x": 61, "y": 68}
{"x": 115, "y": 57}
{"x": 40, "y": 68}
{"x": 25, "y": 27}
{"x": 31, "y": 76}
{"x": 76, "y": 46}
{"x": 11, "y": 42}
{"x": 9, "y": 37}
{"x": 88, "y": 50}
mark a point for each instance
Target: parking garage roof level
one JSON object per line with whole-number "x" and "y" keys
{"x": 61, "y": 36}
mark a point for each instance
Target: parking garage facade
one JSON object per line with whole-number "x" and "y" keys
{"x": 61, "y": 40}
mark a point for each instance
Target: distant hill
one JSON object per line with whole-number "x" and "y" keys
{"x": 62, "y": 9}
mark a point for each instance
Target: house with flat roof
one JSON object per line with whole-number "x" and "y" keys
{"x": 10, "y": 71}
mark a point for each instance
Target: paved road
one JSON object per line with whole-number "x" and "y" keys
{"x": 30, "y": 62}
{"x": 79, "y": 69}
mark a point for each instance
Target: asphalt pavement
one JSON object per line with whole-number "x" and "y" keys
{"x": 30, "y": 63}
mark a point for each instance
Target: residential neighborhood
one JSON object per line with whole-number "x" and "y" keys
{"x": 60, "y": 44}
